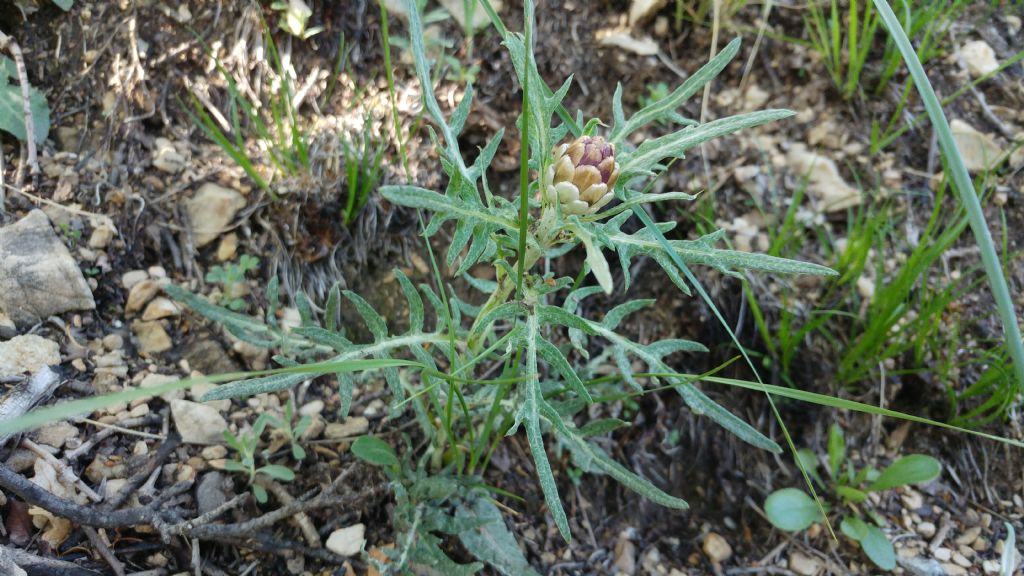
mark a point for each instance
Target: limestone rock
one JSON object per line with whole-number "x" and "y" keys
{"x": 211, "y": 210}
{"x": 198, "y": 423}
{"x": 27, "y": 353}
{"x": 354, "y": 426}
{"x": 978, "y": 149}
{"x": 160, "y": 308}
{"x": 152, "y": 337}
{"x": 166, "y": 158}
{"x": 717, "y": 548}
{"x": 640, "y": 10}
{"x": 152, "y": 380}
{"x": 823, "y": 180}
{"x": 644, "y": 46}
{"x": 347, "y": 541}
{"x": 38, "y": 276}
{"x": 139, "y": 295}
{"x": 980, "y": 58}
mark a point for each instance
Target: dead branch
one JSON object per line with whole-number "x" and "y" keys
{"x": 168, "y": 523}
{"x": 23, "y": 561}
{"x": 27, "y": 394}
{"x": 7, "y": 43}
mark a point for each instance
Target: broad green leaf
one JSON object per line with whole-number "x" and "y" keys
{"x": 260, "y": 493}
{"x": 791, "y": 509}
{"x": 492, "y": 542}
{"x": 851, "y": 494}
{"x": 872, "y": 540}
{"x": 375, "y": 451}
{"x": 907, "y": 470}
{"x": 277, "y": 472}
{"x": 12, "y": 114}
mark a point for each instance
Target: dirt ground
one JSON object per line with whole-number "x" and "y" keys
{"x": 124, "y": 158}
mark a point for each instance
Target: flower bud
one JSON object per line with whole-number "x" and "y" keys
{"x": 582, "y": 175}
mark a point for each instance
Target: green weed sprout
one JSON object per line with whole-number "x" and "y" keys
{"x": 245, "y": 462}
{"x": 292, "y": 434}
{"x": 792, "y": 510}
{"x": 231, "y": 278}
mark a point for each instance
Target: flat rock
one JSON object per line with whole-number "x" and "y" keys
{"x": 27, "y": 353}
{"x": 152, "y": 380}
{"x": 644, "y": 46}
{"x": 717, "y": 548}
{"x": 823, "y": 180}
{"x": 166, "y": 157}
{"x": 56, "y": 434}
{"x": 152, "y": 337}
{"x": 211, "y": 210}
{"x": 160, "y": 308}
{"x": 805, "y": 565}
{"x": 354, "y": 426}
{"x": 640, "y": 10}
{"x": 139, "y": 295}
{"x": 198, "y": 423}
{"x": 978, "y": 149}
{"x": 980, "y": 58}
{"x": 347, "y": 541}
{"x": 212, "y": 491}
{"x": 38, "y": 276}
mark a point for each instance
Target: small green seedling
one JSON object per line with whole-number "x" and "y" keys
{"x": 292, "y": 434}
{"x": 792, "y": 510}
{"x": 231, "y": 277}
{"x": 295, "y": 16}
{"x": 245, "y": 462}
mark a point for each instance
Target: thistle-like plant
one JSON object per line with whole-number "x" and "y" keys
{"x": 529, "y": 330}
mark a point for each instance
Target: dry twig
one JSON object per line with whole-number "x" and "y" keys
{"x": 7, "y": 43}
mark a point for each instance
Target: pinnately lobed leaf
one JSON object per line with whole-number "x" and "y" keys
{"x": 492, "y": 542}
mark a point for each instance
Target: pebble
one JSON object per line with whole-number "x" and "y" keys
{"x": 991, "y": 567}
{"x": 139, "y": 295}
{"x": 151, "y": 380}
{"x": 227, "y": 248}
{"x": 101, "y": 236}
{"x": 313, "y": 408}
{"x": 152, "y": 337}
{"x": 803, "y": 564}
{"x": 198, "y": 423}
{"x": 961, "y": 560}
{"x": 130, "y": 279}
{"x": 56, "y": 434}
{"x": 347, "y": 541}
{"x": 979, "y": 57}
{"x": 926, "y": 529}
{"x": 113, "y": 342}
{"x": 214, "y": 452}
{"x": 160, "y": 308}
{"x": 211, "y": 210}
{"x": 942, "y": 554}
{"x": 717, "y": 548}
{"x": 969, "y": 536}
{"x": 354, "y": 426}
{"x": 954, "y": 570}
{"x": 166, "y": 158}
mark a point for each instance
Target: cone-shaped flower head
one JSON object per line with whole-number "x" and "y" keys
{"x": 582, "y": 175}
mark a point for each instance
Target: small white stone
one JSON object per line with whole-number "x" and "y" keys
{"x": 312, "y": 408}
{"x": 804, "y": 565}
{"x": 198, "y": 423}
{"x": 980, "y": 58}
{"x": 640, "y": 10}
{"x": 347, "y": 541}
{"x": 961, "y": 560}
{"x": 152, "y": 380}
{"x": 354, "y": 426}
{"x": 211, "y": 210}
{"x": 716, "y": 548}
{"x": 130, "y": 279}
{"x": 166, "y": 158}
{"x": 152, "y": 337}
{"x": 942, "y": 554}
{"x": 978, "y": 149}
{"x": 139, "y": 295}
{"x": 926, "y": 529}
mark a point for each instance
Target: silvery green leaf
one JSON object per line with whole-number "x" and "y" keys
{"x": 588, "y": 452}
{"x": 415, "y": 197}
{"x": 12, "y": 114}
{"x": 663, "y": 108}
{"x": 374, "y": 322}
{"x": 416, "y": 312}
{"x": 701, "y": 404}
{"x": 492, "y": 542}
{"x": 346, "y": 384}
{"x": 331, "y": 308}
{"x": 463, "y": 234}
{"x": 458, "y": 120}
{"x": 663, "y": 348}
{"x": 596, "y": 261}
{"x": 555, "y": 315}
{"x": 533, "y": 404}
{"x": 253, "y": 386}
{"x": 601, "y": 427}
{"x": 305, "y": 310}
{"x": 485, "y": 286}
{"x": 648, "y": 155}
{"x": 615, "y": 316}
{"x": 553, "y": 356}
{"x": 323, "y": 337}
